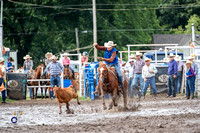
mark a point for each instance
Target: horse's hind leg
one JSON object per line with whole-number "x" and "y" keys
{"x": 112, "y": 101}
{"x": 36, "y": 93}
{"x": 45, "y": 93}
{"x": 33, "y": 93}
{"x": 42, "y": 93}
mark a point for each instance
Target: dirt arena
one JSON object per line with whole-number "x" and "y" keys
{"x": 147, "y": 116}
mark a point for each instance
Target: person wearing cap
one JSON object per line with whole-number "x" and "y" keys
{"x": 84, "y": 58}
{"x": 9, "y": 65}
{"x": 195, "y": 69}
{"x": 180, "y": 72}
{"x": 2, "y": 78}
{"x": 172, "y": 75}
{"x": 48, "y": 58}
{"x": 130, "y": 78}
{"x": 111, "y": 58}
{"x": 189, "y": 80}
{"x": 66, "y": 61}
{"x": 55, "y": 69}
{"x": 137, "y": 74}
{"x": 128, "y": 64}
{"x": 148, "y": 73}
{"x": 28, "y": 63}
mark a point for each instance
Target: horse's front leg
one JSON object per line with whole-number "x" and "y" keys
{"x": 36, "y": 93}
{"x": 33, "y": 93}
{"x": 42, "y": 93}
{"x": 112, "y": 101}
{"x": 45, "y": 93}
{"x": 103, "y": 99}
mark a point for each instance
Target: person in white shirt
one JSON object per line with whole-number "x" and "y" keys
{"x": 130, "y": 77}
{"x": 148, "y": 73}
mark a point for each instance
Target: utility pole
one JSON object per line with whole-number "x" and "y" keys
{"x": 94, "y": 27}
{"x": 77, "y": 40}
{"x": 1, "y": 31}
{"x": 193, "y": 37}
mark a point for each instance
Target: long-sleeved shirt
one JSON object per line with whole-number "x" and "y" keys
{"x": 172, "y": 67}
{"x": 54, "y": 68}
{"x": 137, "y": 67}
{"x": 47, "y": 61}
{"x": 189, "y": 73}
{"x": 130, "y": 73}
{"x": 195, "y": 68}
{"x": 146, "y": 69}
{"x": 28, "y": 64}
{"x": 180, "y": 66}
{"x": 66, "y": 61}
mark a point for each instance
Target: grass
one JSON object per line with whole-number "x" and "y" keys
{"x": 7, "y": 100}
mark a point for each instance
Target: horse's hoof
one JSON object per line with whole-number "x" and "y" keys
{"x": 60, "y": 112}
{"x": 79, "y": 103}
{"x": 109, "y": 108}
{"x": 115, "y": 105}
{"x": 104, "y": 108}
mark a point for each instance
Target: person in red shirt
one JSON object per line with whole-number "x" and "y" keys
{"x": 66, "y": 61}
{"x": 84, "y": 58}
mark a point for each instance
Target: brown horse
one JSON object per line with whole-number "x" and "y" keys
{"x": 38, "y": 72}
{"x": 108, "y": 83}
{"x": 47, "y": 83}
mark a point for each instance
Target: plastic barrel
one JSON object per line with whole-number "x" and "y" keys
{"x": 66, "y": 83}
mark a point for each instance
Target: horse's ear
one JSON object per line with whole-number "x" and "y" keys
{"x": 59, "y": 87}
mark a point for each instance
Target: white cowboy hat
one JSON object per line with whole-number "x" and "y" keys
{"x": 110, "y": 44}
{"x": 1, "y": 59}
{"x": 105, "y": 44}
{"x": 171, "y": 55}
{"x": 189, "y": 62}
{"x": 178, "y": 58}
{"x": 131, "y": 60}
{"x": 166, "y": 60}
{"x": 53, "y": 57}
{"x": 27, "y": 57}
{"x": 138, "y": 53}
{"x": 147, "y": 59}
{"x": 66, "y": 54}
{"x": 191, "y": 57}
{"x": 48, "y": 53}
{"x": 132, "y": 56}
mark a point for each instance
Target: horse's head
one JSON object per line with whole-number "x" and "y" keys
{"x": 39, "y": 71}
{"x": 103, "y": 73}
{"x": 67, "y": 72}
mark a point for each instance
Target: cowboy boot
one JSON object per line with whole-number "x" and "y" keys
{"x": 192, "y": 96}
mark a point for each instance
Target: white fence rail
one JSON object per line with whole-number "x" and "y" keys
{"x": 39, "y": 85}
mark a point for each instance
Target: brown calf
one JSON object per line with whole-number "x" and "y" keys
{"x": 64, "y": 95}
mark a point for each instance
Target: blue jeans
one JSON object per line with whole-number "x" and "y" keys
{"x": 171, "y": 85}
{"x": 135, "y": 82}
{"x": 189, "y": 86}
{"x": 179, "y": 81}
{"x": 30, "y": 92}
{"x": 194, "y": 78}
{"x": 152, "y": 83}
{"x": 3, "y": 93}
{"x": 55, "y": 81}
{"x": 119, "y": 74}
{"x": 26, "y": 71}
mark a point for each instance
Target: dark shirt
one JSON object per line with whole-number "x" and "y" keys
{"x": 172, "y": 67}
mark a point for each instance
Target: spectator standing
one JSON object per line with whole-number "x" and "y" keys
{"x": 128, "y": 64}
{"x": 195, "y": 69}
{"x": 172, "y": 75}
{"x": 84, "y": 58}
{"x": 130, "y": 78}
{"x": 189, "y": 80}
{"x": 28, "y": 63}
{"x": 9, "y": 65}
{"x": 48, "y": 56}
{"x": 137, "y": 70}
{"x": 2, "y": 78}
{"x": 179, "y": 74}
{"x": 55, "y": 69}
{"x": 148, "y": 73}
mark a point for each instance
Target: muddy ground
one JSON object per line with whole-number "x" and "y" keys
{"x": 149, "y": 115}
